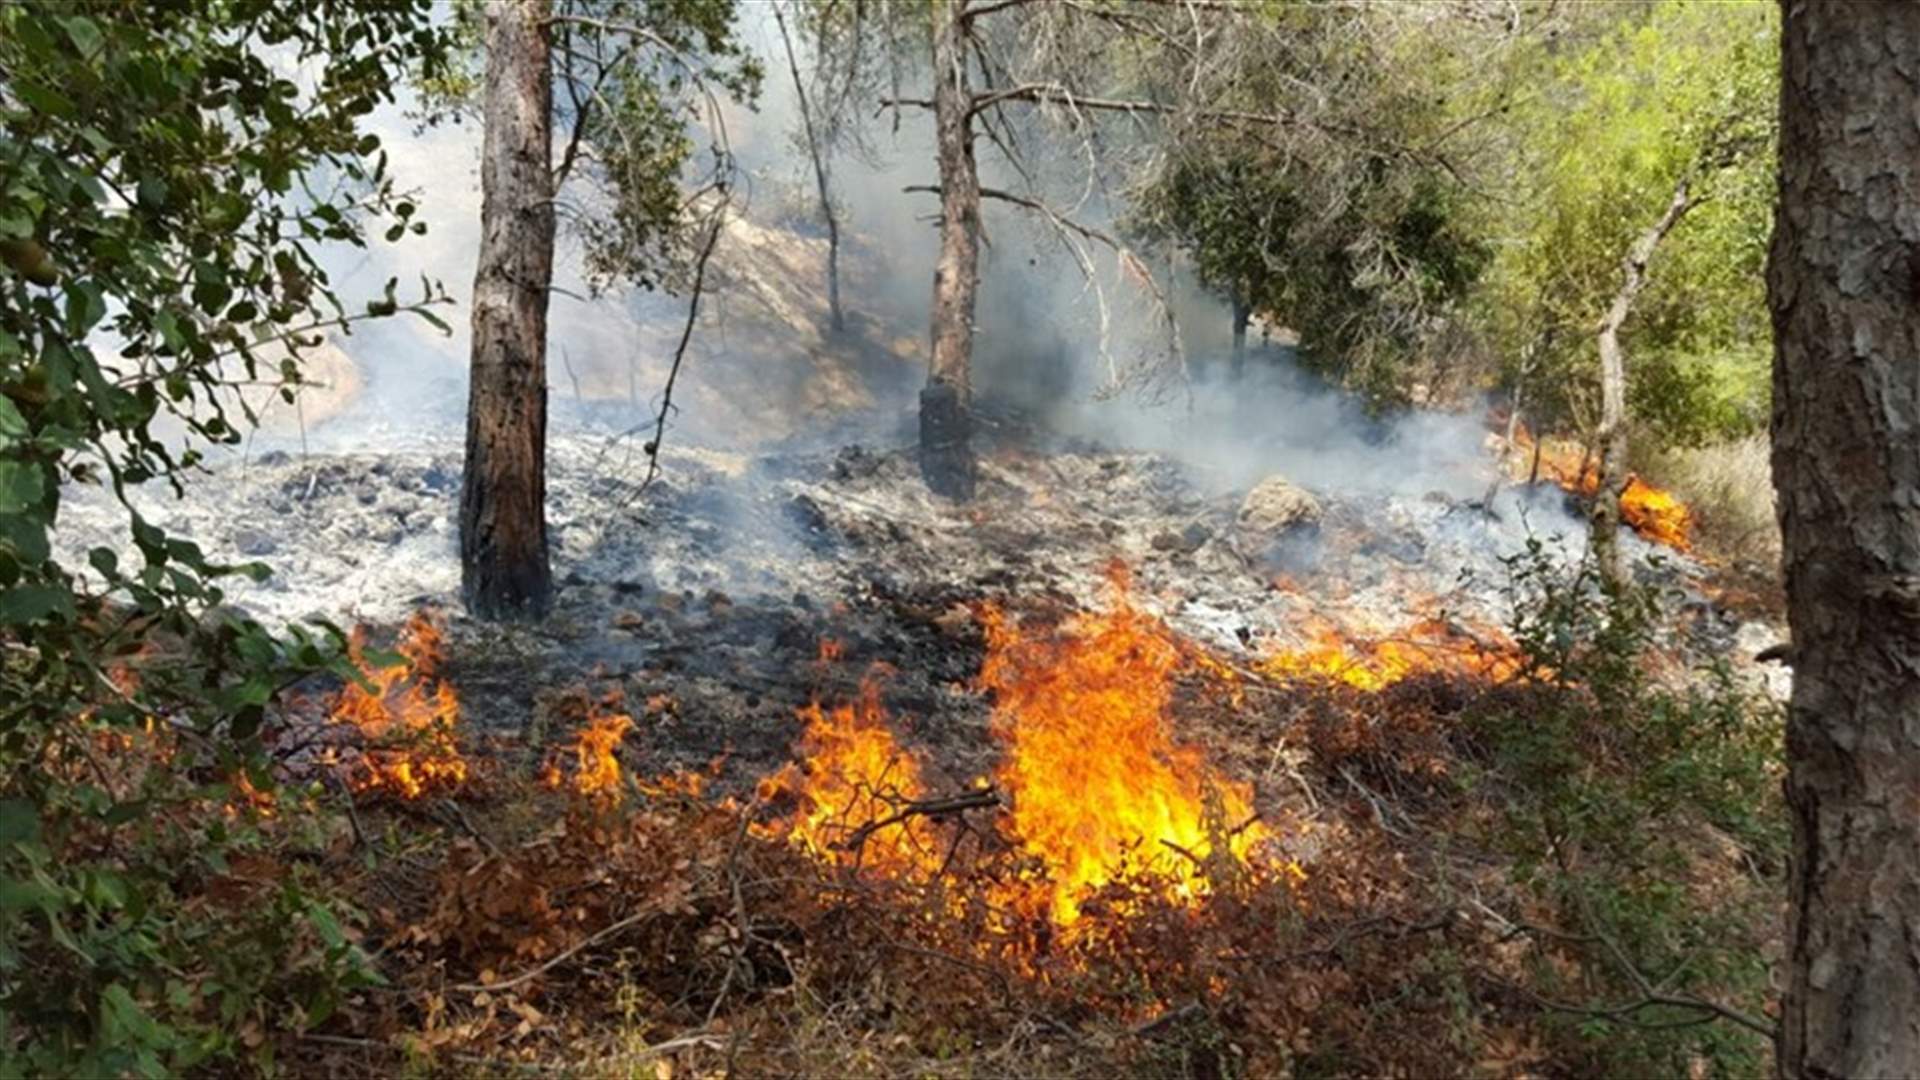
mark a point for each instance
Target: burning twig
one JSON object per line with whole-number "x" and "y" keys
{"x": 978, "y": 799}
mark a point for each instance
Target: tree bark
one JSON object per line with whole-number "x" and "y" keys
{"x": 818, "y": 154}
{"x": 504, "y": 568}
{"x": 946, "y": 423}
{"x": 1843, "y": 282}
{"x": 1611, "y": 439}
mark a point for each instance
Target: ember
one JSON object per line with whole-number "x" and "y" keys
{"x": 406, "y": 714}
{"x": 1099, "y": 790}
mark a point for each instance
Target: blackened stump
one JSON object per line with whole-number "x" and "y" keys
{"x": 946, "y": 442}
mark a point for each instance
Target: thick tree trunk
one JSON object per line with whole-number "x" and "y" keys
{"x": 946, "y": 423}
{"x": 1843, "y": 281}
{"x": 818, "y": 154}
{"x": 1612, "y": 436}
{"x": 503, "y": 523}
{"x": 1242, "y": 315}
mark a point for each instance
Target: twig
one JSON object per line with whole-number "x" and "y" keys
{"x": 686, "y": 333}
{"x": 353, "y": 814}
{"x": 1168, "y": 1019}
{"x": 959, "y": 804}
{"x": 559, "y": 958}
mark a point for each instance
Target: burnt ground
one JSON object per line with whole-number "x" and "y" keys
{"x": 715, "y": 584}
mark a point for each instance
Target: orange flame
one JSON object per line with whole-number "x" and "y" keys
{"x": 1099, "y": 790}
{"x": 596, "y": 773}
{"x": 407, "y": 717}
{"x": 853, "y": 774}
{"x": 1428, "y": 646}
{"x": 1653, "y": 512}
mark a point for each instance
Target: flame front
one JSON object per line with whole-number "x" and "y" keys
{"x": 407, "y": 717}
{"x": 1098, "y": 789}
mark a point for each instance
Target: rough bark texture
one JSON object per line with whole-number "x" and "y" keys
{"x": 503, "y": 523}
{"x": 946, "y": 436}
{"x": 1844, "y": 285}
{"x": 1612, "y": 436}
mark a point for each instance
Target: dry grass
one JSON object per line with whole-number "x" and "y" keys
{"x": 1729, "y": 486}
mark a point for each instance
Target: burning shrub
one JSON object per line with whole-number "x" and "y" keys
{"x": 406, "y": 714}
{"x": 851, "y": 777}
{"x": 1653, "y": 512}
{"x": 1097, "y": 785}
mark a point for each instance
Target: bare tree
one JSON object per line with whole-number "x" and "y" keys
{"x": 1611, "y": 439}
{"x": 504, "y": 567}
{"x": 1842, "y": 282}
{"x": 817, "y": 152}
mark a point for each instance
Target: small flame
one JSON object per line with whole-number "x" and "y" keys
{"x": 1653, "y": 512}
{"x": 596, "y": 773}
{"x": 408, "y": 717}
{"x": 1428, "y": 646}
{"x": 853, "y": 774}
{"x": 1099, "y": 790}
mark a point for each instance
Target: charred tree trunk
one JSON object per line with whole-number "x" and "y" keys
{"x": 1242, "y": 315}
{"x": 818, "y": 154}
{"x": 1612, "y": 436}
{"x": 946, "y": 422}
{"x": 1843, "y": 282}
{"x": 504, "y": 572}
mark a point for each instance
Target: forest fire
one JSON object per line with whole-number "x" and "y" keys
{"x": 1099, "y": 790}
{"x": 1430, "y": 646}
{"x": 406, "y": 714}
{"x": 852, "y": 773}
{"x": 1653, "y": 512}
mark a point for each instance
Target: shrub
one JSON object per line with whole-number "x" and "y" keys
{"x": 1618, "y": 799}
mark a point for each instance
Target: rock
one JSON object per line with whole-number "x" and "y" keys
{"x": 1185, "y": 542}
{"x": 1274, "y": 506}
{"x": 272, "y": 458}
{"x": 254, "y": 542}
{"x": 855, "y": 462}
{"x": 1277, "y": 522}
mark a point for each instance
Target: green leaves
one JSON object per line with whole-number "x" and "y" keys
{"x": 151, "y": 208}
{"x": 23, "y": 486}
{"x": 1679, "y": 90}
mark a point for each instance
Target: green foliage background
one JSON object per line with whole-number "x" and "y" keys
{"x": 1453, "y": 208}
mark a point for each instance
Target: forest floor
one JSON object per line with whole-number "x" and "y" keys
{"x": 811, "y": 774}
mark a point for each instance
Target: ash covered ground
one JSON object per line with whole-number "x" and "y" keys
{"x": 715, "y": 584}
